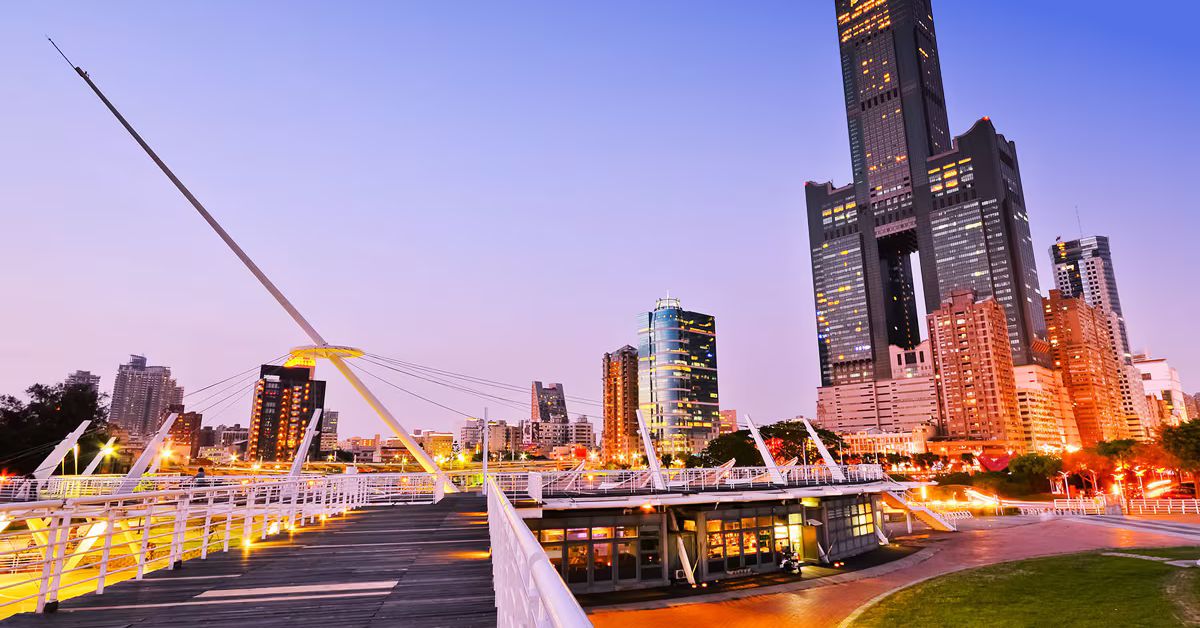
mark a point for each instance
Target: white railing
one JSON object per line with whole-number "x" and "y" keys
{"x": 529, "y": 590}
{"x": 54, "y": 549}
{"x": 628, "y": 482}
{"x": 1086, "y": 506}
{"x": 1163, "y": 506}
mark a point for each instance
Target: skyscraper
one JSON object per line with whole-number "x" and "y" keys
{"x": 957, "y": 204}
{"x": 140, "y": 396}
{"x": 329, "y": 431}
{"x": 83, "y": 378}
{"x": 285, "y": 399}
{"x": 1083, "y": 269}
{"x": 620, "y": 434}
{"x": 976, "y": 388}
{"x": 677, "y": 377}
{"x": 1083, "y": 353}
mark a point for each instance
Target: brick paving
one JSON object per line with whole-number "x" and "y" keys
{"x": 830, "y": 605}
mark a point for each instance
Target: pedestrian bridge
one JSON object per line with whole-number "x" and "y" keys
{"x": 350, "y": 549}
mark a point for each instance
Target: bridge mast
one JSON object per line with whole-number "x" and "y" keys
{"x": 423, "y": 458}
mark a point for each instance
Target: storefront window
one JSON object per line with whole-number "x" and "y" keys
{"x": 577, "y": 534}
{"x": 626, "y": 561}
{"x": 552, "y": 536}
{"x": 577, "y": 564}
{"x": 602, "y": 533}
{"x": 602, "y": 568}
{"x": 554, "y": 553}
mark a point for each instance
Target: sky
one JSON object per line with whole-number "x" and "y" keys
{"x": 499, "y": 188}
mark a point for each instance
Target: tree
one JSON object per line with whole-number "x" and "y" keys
{"x": 1183, "y": 442}
{"x": 785, "y": 440}
{"x": 1032, "y": 468}
{"x": 1117, "y": 450}
{"x": 926, "y": 459}
{"x": 29, "y": 431}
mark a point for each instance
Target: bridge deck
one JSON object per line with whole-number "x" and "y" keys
{"x": 394, "y": 566}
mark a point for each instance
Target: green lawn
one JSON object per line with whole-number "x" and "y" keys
{"x": 1074, "y": 590}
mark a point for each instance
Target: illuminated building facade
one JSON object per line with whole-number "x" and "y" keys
{"x": 1083, "y": 269}
{"x": 729, "y": 422}
{"x": 1044, "y": 404}
{"x": 1084, "y": 355}
{"x": 184, "y": 434}
{"x": 285, "y": 399}
{"x": 619, "y": 438}
{"x": 958, "y": 203}
{"x": 677, "y": 377}
{"x": 976, "y": 390}
{"x": 1160, "y": 380}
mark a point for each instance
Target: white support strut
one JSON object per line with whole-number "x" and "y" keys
{"x": 834, "y": 469}
{"x": 104, "y": 451}
{"x": 46, "y": 469}
{"x": 148, "y": 454}
{"x": 400, "y": 431}
{"x": 768, "y": 460}
{"x": 305, "y": 443}
{"x": 652, "y": 461}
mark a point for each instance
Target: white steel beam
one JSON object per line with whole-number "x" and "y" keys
{"x": 768, "y": 460}
{"x": 834, "y": 469}
{"x": 305, "y": 443}
{"x": 56, "y": 456}
{"x": 652, "y": 461}
{"x": 104, "y": 451}
{"x": 148, "y": 454}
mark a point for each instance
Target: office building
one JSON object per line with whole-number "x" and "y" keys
{"x": 1083, "y": 269}
{"x": 886, "y": 405}
{"x": 141, "y": 394}
{"x": 83, "y": 378}
{"x": 972, "y": 355}
{"x": 285, "y": 399}
{"x": 677, "y": 377}
{"x": 329, "y": 433}
{"x": 1161, "y": 381}
{"x": 956, "y": 205}
{"x": 1084, "y": 356}
{"x": 502, "y": 437}
{"x": 438, "y": 445}
{"x": 548, "y": 426}
{"x": 620, "y": 440}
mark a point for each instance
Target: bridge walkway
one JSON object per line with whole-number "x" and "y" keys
{"x": 412, "y": 565}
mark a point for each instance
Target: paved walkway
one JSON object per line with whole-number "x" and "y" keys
{"x": 830, "y": 605}
{"x": 392, "y": 566}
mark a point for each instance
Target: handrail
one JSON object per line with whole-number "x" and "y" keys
{"x": 529, "y": 590}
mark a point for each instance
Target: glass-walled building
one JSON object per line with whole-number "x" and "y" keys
{"x": 608, "y": 549}
{"x": 677, "y": 377}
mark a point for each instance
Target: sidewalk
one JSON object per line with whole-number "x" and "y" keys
{"x": 829, "y": 605}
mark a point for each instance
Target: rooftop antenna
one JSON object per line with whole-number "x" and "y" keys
{"x": 1078, "y": 222}
{"x": 335, "y": 354}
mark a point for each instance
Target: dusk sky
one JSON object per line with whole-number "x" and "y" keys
{"x": 498, "y": 188}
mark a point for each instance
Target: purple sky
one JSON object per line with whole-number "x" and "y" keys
{"x": 498, "y": 188}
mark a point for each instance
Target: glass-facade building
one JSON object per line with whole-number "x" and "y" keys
{"x": 677, "y": 377}
{"x": 1084, "y": 268}
{"x": 863, "y": 236}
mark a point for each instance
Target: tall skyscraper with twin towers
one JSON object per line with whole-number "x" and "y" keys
{"x": 955, "y": 205}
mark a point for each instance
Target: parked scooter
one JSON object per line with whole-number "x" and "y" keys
{"x": 791, "y": 562}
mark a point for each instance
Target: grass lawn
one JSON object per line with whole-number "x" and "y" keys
{"x": 1075, "y": 590}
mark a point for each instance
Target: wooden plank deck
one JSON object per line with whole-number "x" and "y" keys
{"x": 424, "y": 565}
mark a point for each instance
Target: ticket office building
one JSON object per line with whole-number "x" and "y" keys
{"x": 597, "y": 550}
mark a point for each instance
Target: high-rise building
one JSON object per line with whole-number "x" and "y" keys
{"x": 1044, "y": 405}
{"x": 83, "y": 378}
{"x": 1083, "y": 269}
{"x": 285, "y": 399}
{"x": 886, "y": 405}
{"x": 141, "y": 394}
{"x": 1083, "y": 353}
{"x": 502, "y": 437}
{"x": 547, "y": 427}
{"x": 958, "y": 205}
{"x": 329, "y": 431}
{"x": 1161, "y": 380}
{"x": 620, "y": 434}
{"x": 973, "y": 358}
{"x": 677, "y": 377}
